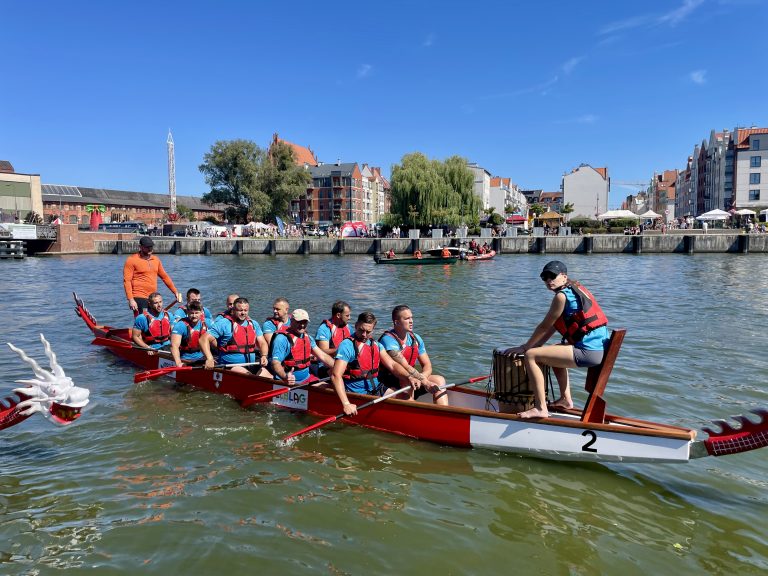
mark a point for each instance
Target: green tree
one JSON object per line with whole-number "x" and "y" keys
{"x": 231, "y": 169}
{"x": 185, "y": 213}
{"x": 281, "y": 180}
{"x": 510, "y": 209}
{"x": 537, "y": 209}
{"x": 567, "y": 209}
{"x": 429, "y": 192}
{"x": 33, "y": 218}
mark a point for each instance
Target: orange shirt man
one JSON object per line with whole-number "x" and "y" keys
{"x": 140, "y": 276}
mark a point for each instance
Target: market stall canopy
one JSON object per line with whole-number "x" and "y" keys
{"x": 515, "y": 219}
{"x": 612, "y": 214}
{"x": 650, "y": 214}
{"x": 746, "y": 212}
{"x": 548, "y": 215}
{"x": 259, "y": 225}
{"x": 715, "y": 214}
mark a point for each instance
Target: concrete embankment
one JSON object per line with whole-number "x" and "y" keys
{"x": 600, "y": 244}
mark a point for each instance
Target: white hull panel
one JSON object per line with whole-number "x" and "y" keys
{"x": 567, "y": 443}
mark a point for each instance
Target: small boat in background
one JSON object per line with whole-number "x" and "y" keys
{"x": 422, "y": 260}
{"x": 486, "y": 256}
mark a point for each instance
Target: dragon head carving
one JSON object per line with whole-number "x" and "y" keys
{"x": 53, "y": 394}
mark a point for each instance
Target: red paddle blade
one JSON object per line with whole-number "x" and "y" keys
{"x": 263, "y": 396}
{"x": 157, "y": 373}
{"x": 310, "y": 428}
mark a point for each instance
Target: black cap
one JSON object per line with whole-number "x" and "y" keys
{"x": 555, "y": 267}
{"x": 146, "y": 241}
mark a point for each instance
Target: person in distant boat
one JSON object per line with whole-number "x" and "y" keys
{"x": 445, "y": 253}
{"x": 391, "y": 254}
{"x": 333, "y": 330}
{"x": 417, "y": 254}
{"x": 186, "y": 333}
{"x": 280, "y": 316}
{"x": 140, "y": 274}
{"x": 193, "y": 295}
{"x": 574, "y": 313}
{"x": 292, "y": 349}
{"x": 238, "y": 340}
{"x": 152, "y": 328}
{"x": 230, "y": 303}
{"x": 357, "y": 363}
{"x": 407, "y": 348}
{"x": 473, "y": 246}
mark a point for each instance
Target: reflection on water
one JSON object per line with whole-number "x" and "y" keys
{"x": 180, "y": 481}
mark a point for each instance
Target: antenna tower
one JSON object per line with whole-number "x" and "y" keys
{"x": 171, "y": 175}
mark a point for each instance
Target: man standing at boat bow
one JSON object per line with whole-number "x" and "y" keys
{"x": 140, "y": 274}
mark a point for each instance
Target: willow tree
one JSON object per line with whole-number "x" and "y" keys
{"x": 432, "y": 193}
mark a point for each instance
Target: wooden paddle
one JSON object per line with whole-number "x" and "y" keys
{"x": 158, "y": 372}
{"x": 269, "y": 394}
{"x": 376, "y": 401}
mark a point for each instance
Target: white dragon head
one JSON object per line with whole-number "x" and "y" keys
{"x": 53, "y": 393}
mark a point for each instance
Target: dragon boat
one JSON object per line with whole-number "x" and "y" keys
{"x": 474, "y": 419}
{"x": 423, "y": 260}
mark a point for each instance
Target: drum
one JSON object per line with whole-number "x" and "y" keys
{"x": 510, "y": 383}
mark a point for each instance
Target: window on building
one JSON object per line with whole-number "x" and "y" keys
{"x": 754, "y": 161}
{"x": 754, "y": 195}
{"x": 755, "y": 144}
{"x": 754, "y": 178}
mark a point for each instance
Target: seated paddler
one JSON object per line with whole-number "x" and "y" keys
{"x": 358, "y": 360}
{"x": 292, "y": 348}
{"x": 185, "y": 336}
{"x": 152, "y": 327}
{"x": 577, "y": 316}
{"x": 237, "y": 340}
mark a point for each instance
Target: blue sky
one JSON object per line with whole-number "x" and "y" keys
{"x": 529, "y": 90}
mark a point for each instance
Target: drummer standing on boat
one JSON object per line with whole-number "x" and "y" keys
{"x": 140, "y": 274}
{"x": 357, "y": 363}
{"x": 574, "y": 313}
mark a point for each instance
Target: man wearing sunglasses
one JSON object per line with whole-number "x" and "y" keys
{"x": 574, "y": 313}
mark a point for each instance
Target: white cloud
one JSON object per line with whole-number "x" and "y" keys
{"x": 543, "y": 88}
{"x": 364, "y": 71}
{"x": 569, "y": 65}
{"x": 583, "y": 119}
{"x": 677, "y": 15}
{"x": 698, "y": 76}
{"x": 627, "y": 24}
{"x": 671, "y": 18}
{"x": 428, "y": 41}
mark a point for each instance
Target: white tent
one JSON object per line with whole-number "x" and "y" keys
{"x": 715, "y": 214}
{"x": 764, "y": 211}
{"x": 746, "y": 212}
{"x": 612, "y": 214}
{"x": 650, "y": 214}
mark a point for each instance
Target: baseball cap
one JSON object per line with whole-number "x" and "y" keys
{"x": 555, "y": 267}
{"x": 146, "y": 241}
{"x": 300, "y": 314}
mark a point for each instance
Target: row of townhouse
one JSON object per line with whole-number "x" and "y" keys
{"x": 728, "y": 171}
{"x": 342, "y": 191}
{"x": 497, "y": 192}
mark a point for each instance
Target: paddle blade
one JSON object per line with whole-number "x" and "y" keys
{"x": 310, "y": 428}
{"x": 157, "y": 373}
{"x": 263, "y": 396}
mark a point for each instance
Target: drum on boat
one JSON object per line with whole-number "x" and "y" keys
{"x": 511, "y": 388}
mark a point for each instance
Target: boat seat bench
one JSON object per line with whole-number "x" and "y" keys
{"x": 597, "y": 378}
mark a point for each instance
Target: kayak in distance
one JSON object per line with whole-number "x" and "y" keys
{"x": 413, "y": 260}
{"x": 475, "y": 418}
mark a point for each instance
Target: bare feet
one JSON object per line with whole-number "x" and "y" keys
{"x": 534, "y": 413}
{"x": 561, "y": 403}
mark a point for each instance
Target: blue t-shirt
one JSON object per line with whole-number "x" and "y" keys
{"x": 181, "y": 312}
{"x": 222, "y": 331}
{"x": 141, "y": 324}
{"x": 281, "y": 347}
{"x": 182, "y": 329}
{"x": 597, "y": 339}
{"x": 269, "y": 326}
{"x": 324, "y": 332}
{"x": 391, "y": 343}
{"x": 346, "y": 352}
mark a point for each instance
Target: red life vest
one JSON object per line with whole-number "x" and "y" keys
{"x": 365, "y": 366}
{"x": 337, "y": 334}
{"x": 410, "y": 352}
{"x": 190, "y": 341}
{"x": 159, "y": 328}
{"x": 300, "y": 353}
{"x": 278, "y": 323}
{"x": 588, "y": 317}
{"x": 243, "y": 339}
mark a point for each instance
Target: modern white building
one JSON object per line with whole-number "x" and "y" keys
{"x": 503, "y": 193}
{"x": 587, "y": 188}
{"x": 750, "y": 174}
{"x": 482, "y": 184}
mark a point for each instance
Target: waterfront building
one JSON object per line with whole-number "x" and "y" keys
{"x": 20, "y": 194}
{"x": 587, "y": 188}
{"x": 718, "y": 177}
{"x": 553, "y": 201}
{"x": 503, "y": 193}
{"x": 750, "y": 174}
{"x": 684, "y": 192}
{"x": 482, "y": 184}
{"x": 662, "y": 194}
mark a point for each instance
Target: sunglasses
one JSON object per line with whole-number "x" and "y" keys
{"x": 548, "y": 276}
